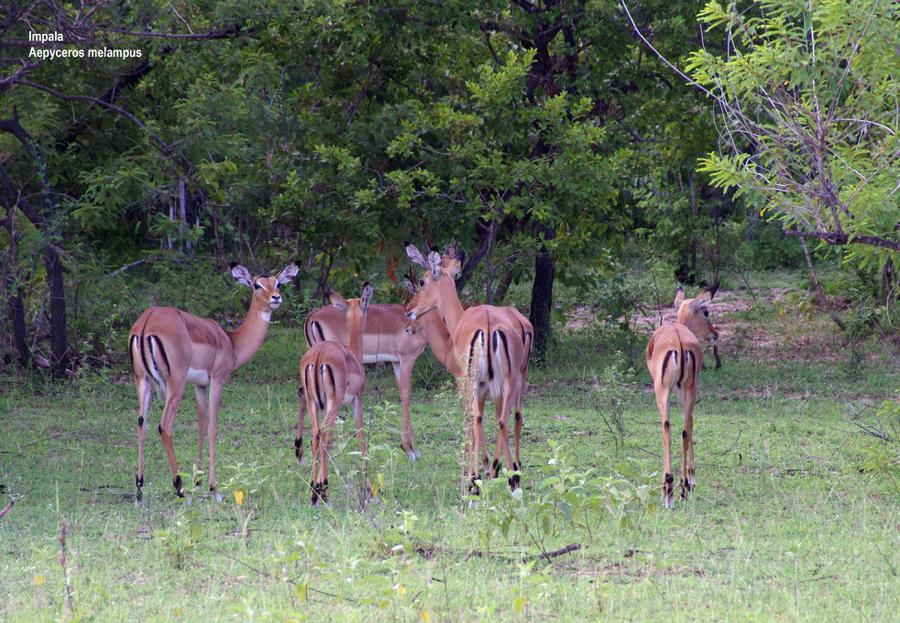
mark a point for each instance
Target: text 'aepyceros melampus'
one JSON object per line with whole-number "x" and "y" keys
{"x": 332, "y": 375}
{"x": 486, "y": 348}
{"x": 170, "y": 349}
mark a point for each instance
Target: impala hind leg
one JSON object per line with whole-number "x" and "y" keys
{"x": 363, "y": 449}
{"x": 144, "y": 393}
{"x": 403, "y": 376}
{"x": 687, "y": 443}
{"x": 662, "y": 403}
{"x": 301, "y": 412}
{"x": 166, "y": 427}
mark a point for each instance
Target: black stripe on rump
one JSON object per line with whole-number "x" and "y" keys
{"x": 472, "y": 347}
{"x": 318, "y": 326}
{"x": 506, "y": 350}
{"x": 331, "y": 378}
{"x": 306, "y": 333}
{"x": 319, "y": 400}
{"x": 665, "y": 363}
{"x": 131, "y": 353}
{"x": 162, "y": 351}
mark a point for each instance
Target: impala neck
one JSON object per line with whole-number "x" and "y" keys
{"x": 356, "y": 321}
{"x": 248, "y": 337}
{"x": 439, "y": 330}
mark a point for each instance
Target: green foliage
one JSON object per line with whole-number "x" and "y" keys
{"x": 808, "y": 98}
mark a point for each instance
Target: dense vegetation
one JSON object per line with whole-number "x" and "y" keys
{"x": 549, "y": 137}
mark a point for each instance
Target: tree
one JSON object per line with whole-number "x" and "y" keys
{"x": 807, "y": 96}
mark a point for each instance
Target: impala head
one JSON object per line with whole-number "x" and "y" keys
{"x": 266, "y": 294}
{"x": 694, "y": 314}
{"x": 436, "y": 283}
{"x": 353, "y": 307}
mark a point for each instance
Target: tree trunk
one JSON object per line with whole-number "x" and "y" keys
{"x": 542, "y": 296}
{"x": 14, "y": 293}
{"x": 59, "y": 348}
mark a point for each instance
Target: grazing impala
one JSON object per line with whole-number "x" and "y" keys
{"x": 486, "y": 348}
{"x": 387, "y": 338}
{"x": 170, "y": 348}
{"x": 674, "y": 359}
{"x": 332, "y": 376}
{"x": 693, "y": 314}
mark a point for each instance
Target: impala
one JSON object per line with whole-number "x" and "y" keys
{"x": 385, "y": 339}
{"x": 170, "y": 348}
{"x": 486, "y": 348}
{"x": 694, "y": 314}
{"x": 674, "y": 359}
{"x": 332, "y": 375}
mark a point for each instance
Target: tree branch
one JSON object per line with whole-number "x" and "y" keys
{"x": 843, "y": 238}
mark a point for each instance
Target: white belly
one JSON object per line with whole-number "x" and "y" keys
{"x": 381, "y": 358}
{"x": 197, "y": 377}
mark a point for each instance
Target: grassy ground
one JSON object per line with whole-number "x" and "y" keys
{"x": 786, "y": 524}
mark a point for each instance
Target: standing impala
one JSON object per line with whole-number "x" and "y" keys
{"x": 674, "y": 359}
{"x": 332, "y": 376}
{"x": 486, "y": 348}
{"x": 170, "y": 348}
{"x": 386, "y": 338}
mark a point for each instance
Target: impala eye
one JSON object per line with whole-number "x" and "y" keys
{"x": 256, "y": 286}
{"x": 277, "y": 285}
{"x": 706, "y": 313}
{"x": 422, "y": 282}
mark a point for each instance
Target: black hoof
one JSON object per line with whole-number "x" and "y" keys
{"x": 298, "y": 448}
{"x": 179, "y": 490}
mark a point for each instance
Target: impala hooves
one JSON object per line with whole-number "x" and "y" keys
{"x": 413, "y": 454}
{"x": 319, "y": 492}
{"x": 298, "y": 449}
{"x": 179, "y": 489}
{"x": 216, "y": 495}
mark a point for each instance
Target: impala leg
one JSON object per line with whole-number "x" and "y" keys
{"x": 202, "y": 419}
{"x": 173, "y": 401}
{"x": 361, "y": 437}
{"x": 662, "y": 403}
{"x": 687, "y": 442}
{"x": 144, "y": 394}
{"x": 215, "y": 401}
{"x": 403, "y": 375}
{"x": 320, "y": 485}
{"x": 301, "y": 412}
{"x": 315, "y": 439}
{"x": 479, "y": 447}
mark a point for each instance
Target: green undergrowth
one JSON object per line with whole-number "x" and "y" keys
{"x": 795, "y": 516}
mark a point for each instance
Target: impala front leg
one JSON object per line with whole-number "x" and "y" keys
{"x": 203, "y": 423}
{"x": 361, "y": 437}
{"x": 215, "y": 400}
{"x": 403, "y": 375}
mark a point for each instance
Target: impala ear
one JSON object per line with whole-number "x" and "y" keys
{"x": 409, "y": 285}
{"x": 413, "y": 253}
{"x": 288, "y": 272}
{"x": 704, "y": 297}
{"x": 434, "y": 264}
{"x": 241, "y": 275}
{"x": 338, "y": 301}
{"x": 679, "y": 298}
{"x": 366, "y": 297}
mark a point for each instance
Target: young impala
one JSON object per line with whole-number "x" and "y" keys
{"x": 674, "y": 359}
{"x": 486, "y": 348}
{"x": 332, "y": 375}
{"x": 170, "y": 348}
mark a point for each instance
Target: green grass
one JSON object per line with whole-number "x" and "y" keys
{"x": 785, "y": 524}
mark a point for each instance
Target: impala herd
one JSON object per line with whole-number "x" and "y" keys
{"x": 485, "y": 347}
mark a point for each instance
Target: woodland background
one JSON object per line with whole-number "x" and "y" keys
{"x": 548, "y": 136}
